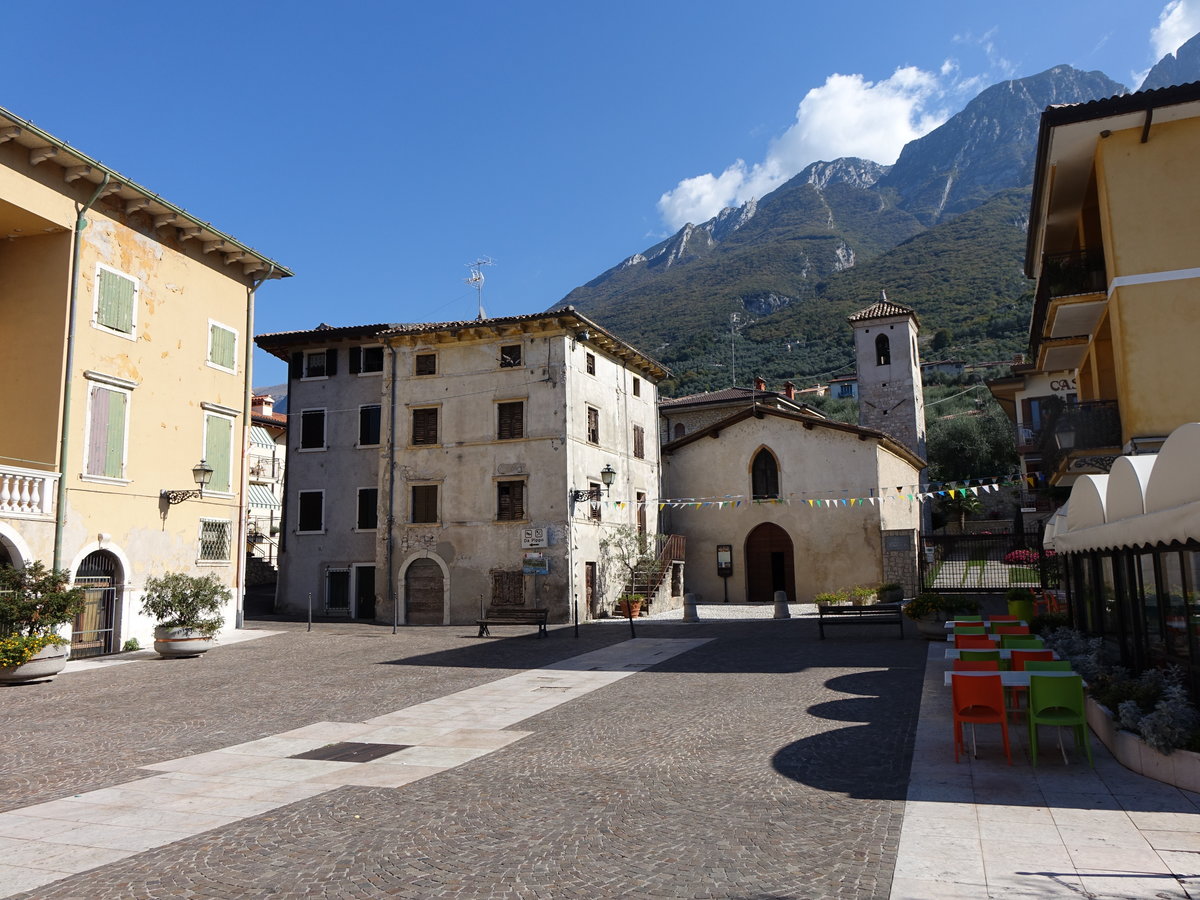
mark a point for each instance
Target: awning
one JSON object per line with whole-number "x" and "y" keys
{"x": 261, "y": 496}
{"x": 259, "y": 437}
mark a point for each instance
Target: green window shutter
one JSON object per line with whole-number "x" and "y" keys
{"x": 115, "y": 307}
{"x": 114, "y": 449}
{"x": 217, "y": 451}
{"x": 222, "y": 343}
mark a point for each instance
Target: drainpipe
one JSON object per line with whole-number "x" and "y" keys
{"x": 247, "y": 410}
{"x": 391, "y": 494}
{"x": 60, "y": 507}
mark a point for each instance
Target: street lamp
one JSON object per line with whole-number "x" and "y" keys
{"x": 1064, "y": 435}
{"x": 202, "y": 474}
{"x": 607, "y": 475}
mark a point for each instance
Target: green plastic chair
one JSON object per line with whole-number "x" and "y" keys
{"x": 969, "y": 629}
{"x": 1020, "y": 642}
{"x": 977, "y": 655}
{"x": 968, "y": 618}
{"x": 1048, "y": 665}
{"x": 1058, "y": 700}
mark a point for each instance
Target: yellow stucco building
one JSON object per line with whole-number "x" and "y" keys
{"x": 1113, "y": 246}
{"x": 130, "y": 327}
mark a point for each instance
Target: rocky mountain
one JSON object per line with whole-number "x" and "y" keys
{"x": 1180, "y": 67}
{"x": 942, "y": 230}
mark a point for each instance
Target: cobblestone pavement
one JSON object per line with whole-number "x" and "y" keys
{"x": 763, "y": 764}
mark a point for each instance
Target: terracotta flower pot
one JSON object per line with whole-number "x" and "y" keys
{"x": 177, "y": 643}
{"x": 44, "y": 665}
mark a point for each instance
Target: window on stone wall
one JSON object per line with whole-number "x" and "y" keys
{"x": 883, "y": 351}
{"x": 765, "y": 476}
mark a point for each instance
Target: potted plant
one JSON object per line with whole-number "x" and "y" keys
{"x": 187, "y": 609}
{"x": 34, "y": 603}
{"x": 1020, "y": 603}
{"x": 630, "y": 605}
{"x": 891, "y": 592}
{"x": 929, "y": 611}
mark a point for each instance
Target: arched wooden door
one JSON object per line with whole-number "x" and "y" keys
{"x": 770, "y": 564}
{"x": 424, "y": 589}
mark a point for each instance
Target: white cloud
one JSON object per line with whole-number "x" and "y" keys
{"x": 1178, "y": 21}
{"x": 846, "y": 116}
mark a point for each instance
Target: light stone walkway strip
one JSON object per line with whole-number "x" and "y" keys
{"x": 982, "y": 828}
{"x": 44, "y": 843}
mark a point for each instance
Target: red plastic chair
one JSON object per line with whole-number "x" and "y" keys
{"x": 976, "y": 665}
{"x": 978, "y": 700}
{"x": 1011, "y": 629}
{"x": 1004, "y": 618}
{"x": 973, "y": 642}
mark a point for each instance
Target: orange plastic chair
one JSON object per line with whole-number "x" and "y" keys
{"x": 973, "y": 642}
{"x": 1020, "y": 657}
{"x": 976, "y": 665}
{"x": 978, "y": 700}
{"x": 1011, "y": 629}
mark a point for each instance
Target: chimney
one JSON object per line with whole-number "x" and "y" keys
{"x": 262, "y": 406}
{"x": 759, "y": 384}
{"x": 789, "y": 390}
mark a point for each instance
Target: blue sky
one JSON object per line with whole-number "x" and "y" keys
{"x": 376, "y": 148}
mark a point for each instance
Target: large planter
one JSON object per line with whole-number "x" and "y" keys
{"x": 44, "y": 665}
{"x": 178, "y": 643}
{"x": 891, "y": 595}
{"x": 629, "y": 608}
{"x": 932, "y": 628}
{"x": 1180, "y": 768}
{"x": 1022, "y": 609}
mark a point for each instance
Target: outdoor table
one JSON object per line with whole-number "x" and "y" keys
{"x": 1009, "y": 679}
{"x": 1004, "y": 654}
{"x": 990, "y": 637}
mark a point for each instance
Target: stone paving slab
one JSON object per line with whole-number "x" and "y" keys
{"x": 762, "y": 763}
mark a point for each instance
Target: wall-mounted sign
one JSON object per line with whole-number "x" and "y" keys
{"x": 535, "y": 564}
{"x": 898, "y": 542}
{"x": 534, "y": 537}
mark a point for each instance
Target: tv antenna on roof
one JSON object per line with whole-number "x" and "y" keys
{"x": 477, "y": 280}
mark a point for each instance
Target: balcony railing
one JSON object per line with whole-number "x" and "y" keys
{"x": 1091, "y": 425}
{"x": 1066, "y": 274}
{"x": 27, "y": 493}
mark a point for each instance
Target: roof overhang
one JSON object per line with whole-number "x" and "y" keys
{"x": 78, "y": 167}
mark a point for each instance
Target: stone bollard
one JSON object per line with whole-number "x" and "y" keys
{"x": 689, "y": 608}
{"x": 781, "y": 606}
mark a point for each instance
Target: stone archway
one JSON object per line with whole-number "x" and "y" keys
{"x": 770, "y": 564}
{"x": 101, "y": 576}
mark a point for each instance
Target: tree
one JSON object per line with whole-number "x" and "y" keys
{"x": 960, "y": 506}
{"x": 632, "y": 554}
{"x": 941, "y": 340}
{"x": 970, "y": 446}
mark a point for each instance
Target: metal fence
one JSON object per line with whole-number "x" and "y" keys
{"x": 986, "y": 563}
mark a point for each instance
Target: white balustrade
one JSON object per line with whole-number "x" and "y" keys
{"x": 27, "y": 493}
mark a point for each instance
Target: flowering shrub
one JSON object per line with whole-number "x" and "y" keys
{"x": 1026, "y": 557}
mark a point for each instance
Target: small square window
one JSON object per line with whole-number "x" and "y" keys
{"x": 590, "y": 362}
{"x": 425, "y": 426}
{"x": 368, "y": 509}
{"x": 215, "y": 539}
{"x": 320, "y": 363}
{"x": 116, "y": 301}
{"x": 510, "y": 356}
{"x": 311, "y": 516}
{"x": 372, "y": 359}
{"x": 637, "y": 386}
{"x": 368, "y": 425}
{"x": 424, "y": 503}
{"x": 425, "y": 364}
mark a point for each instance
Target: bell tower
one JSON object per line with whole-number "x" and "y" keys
{"x": 890, "y": 396}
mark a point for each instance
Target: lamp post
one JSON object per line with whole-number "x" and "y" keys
{"x": 202, "y": 474}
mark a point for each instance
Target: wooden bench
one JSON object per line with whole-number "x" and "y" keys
{"x": 513, "y": 615}
{"x": 874, "y": 614}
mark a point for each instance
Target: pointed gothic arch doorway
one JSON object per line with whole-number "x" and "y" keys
{"x": 770, "y": 564}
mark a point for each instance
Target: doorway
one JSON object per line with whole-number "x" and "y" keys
{"x": 94, "y": 631}
{"x": 424, "y": 587}
{"x": 364, "y": 592}
{"x": 770, "y": 564}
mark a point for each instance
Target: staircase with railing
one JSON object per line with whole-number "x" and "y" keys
{"x": 654, "y": 582}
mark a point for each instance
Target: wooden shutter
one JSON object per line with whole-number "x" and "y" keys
{"x": 593, "y": 425}
{"x": 312, "y": 511}
{"x": 222, "y": 346}
{"x": 510, "y": 501}
{"x": 424, "y": 503}
{"x": 106, "y": 433}
{"x": 218, "y": 445}
{"x": 312, "y": 429}
{"x": 510, "y": 421}
{"x": 115, "y": 304}
{"x": 425, "y": 426}
{"x": 296, "y": 366}
{"x": 639, "y": 442}
{"x": 368, "y": 511}
{"x": 331, "y": 362}
{"x": 368, "y": 425}
{"x": 355, "y": 360}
